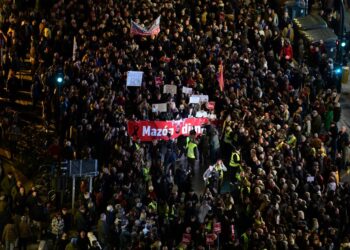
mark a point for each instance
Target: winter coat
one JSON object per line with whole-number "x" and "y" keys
{"x": 24, "y": 230}
{"x": 81, "y": 221}
{"x": 10, "y": 233}
{"x": 102, "y": 231}
{"x": 316, "y": 124}
{"x": 7, "y": 184}
{"x": 57, "y": 225}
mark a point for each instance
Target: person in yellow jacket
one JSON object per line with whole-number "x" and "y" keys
{"x": 192, "y": 154}
{"x": 244, "y": 240}
{"x": 235, "y": 165}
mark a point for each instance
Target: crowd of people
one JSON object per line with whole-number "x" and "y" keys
{"x": 273, "y": 157}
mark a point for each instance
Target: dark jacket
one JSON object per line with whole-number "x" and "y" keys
{"x": 10, "y": 232}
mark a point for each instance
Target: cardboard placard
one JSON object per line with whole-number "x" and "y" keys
{"x": 134, "y": 78}
{"x": 186, "y": 90}
{"x": 199, "y": 98}
{"x": 159, "y": 107}
{"x": 204, "y": 98}
{"x": 195, "y": 99}
{"x": 170, "y": 89}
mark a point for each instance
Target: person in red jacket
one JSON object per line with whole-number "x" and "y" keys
{"x": 286, "y": 51}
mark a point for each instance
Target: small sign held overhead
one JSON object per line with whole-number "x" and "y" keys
{"x": 186, "y": 90}
{"x": 159, "y": 107}
{"x": 134, "y": 78}
{"x": 170, "y": 89}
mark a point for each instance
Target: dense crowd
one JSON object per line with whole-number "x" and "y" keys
{"x": 273, "y": 157}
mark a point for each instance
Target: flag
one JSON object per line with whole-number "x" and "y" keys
{"x": 220, "y": 76}
{"x": 137, "y": 29}
{"x": 75, "y": 47}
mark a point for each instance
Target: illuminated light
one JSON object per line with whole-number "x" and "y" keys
{"x": 59, "y": 79}
{"x": 338, "y": 71}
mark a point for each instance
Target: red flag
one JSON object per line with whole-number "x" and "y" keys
{"x": 220, "y": 76}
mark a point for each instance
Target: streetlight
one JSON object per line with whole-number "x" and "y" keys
{"x": 59, "y": 81}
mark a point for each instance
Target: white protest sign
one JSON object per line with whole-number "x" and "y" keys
{"x": 195, "y": 99}
{"x": 170, "y": 89}
{"x": 204, "y": 98}
{"x": 159, "y": 107}
{"x": 310, "y": 179}
{"x": 201, "y": 114}
{"x": 134, "y": 78}
{"x": 199, "y": 98}
{"x": 186, "y": 90}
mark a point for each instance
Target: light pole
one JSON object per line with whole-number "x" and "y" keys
{"x": 59, "y": 80}
{"x": 340, "y": 46}
{"x": 341, "y": 43}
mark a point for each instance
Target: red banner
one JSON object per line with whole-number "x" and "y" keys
{"x": 151, "y": 130}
